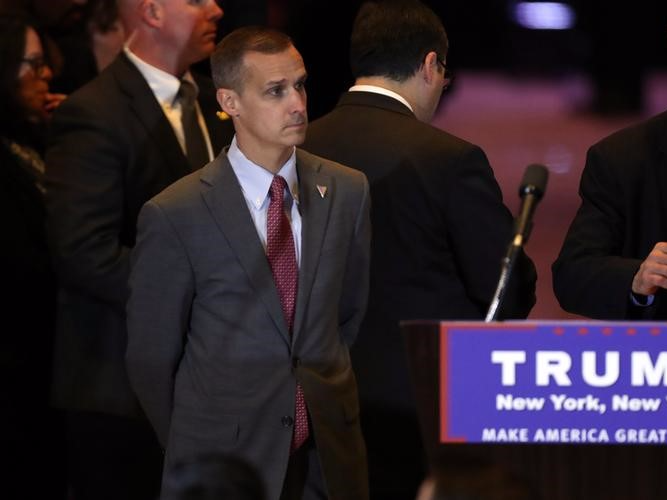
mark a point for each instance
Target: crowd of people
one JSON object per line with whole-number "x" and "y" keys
{"x": 205, "y": 290}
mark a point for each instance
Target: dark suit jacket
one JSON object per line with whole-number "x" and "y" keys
{"x": 112, "y": 149}
{"x": 28, "y": 304}
{"x": 440, "y": 230}
{"x": 209, "y": 353}
{"x": 623, "y": 214}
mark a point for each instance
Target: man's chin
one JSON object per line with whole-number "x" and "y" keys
{"x": 298, "y": 136}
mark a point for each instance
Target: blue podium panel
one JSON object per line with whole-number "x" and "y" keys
{"x": 545, "y": 382}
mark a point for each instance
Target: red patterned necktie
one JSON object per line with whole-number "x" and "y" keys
{"x": 282, "y": 258}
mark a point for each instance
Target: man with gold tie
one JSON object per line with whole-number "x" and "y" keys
{"x": 116, "y": 142}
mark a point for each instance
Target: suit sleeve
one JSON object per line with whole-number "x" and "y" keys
{"x": 84, "y": 178}
{"x": 590, "y": 277}
{"x": 356, "y": 280}
{"x": 480, "y": 228}
{"x": 161, "y": 294}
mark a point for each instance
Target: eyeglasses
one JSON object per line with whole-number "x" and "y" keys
{"x": 36, "y": 63}
{"x": 448, "y": 76}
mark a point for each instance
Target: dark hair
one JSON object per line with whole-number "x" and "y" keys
{"x": 214, "y": 477}
{"x": 227, "y": 59}
{"x": 390, "y": 38}
{"x": 13, "y": 116}
{"x": 101, "y": 14}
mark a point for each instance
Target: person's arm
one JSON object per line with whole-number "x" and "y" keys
{"x": 356, "y": 280}
{"x": 158, "y": 310}
{"x": 590, "y": 277}
{"x": 85, "y": 202}
{"x": 479, "y": 231}
{"x": 652, "y": 274}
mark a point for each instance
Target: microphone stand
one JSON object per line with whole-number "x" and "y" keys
{"x": 505, "y": 273}
{"x": 531, "y": 192}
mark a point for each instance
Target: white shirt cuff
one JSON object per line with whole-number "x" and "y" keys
{"x": 641, "y": 300}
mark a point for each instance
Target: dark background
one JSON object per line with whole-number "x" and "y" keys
{"x": 615, "y": 42}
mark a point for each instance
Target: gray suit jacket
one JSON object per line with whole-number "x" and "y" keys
{"x": 209, "y": 354}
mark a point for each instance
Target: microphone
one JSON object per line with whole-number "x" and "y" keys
{"x": 531, "y": 191}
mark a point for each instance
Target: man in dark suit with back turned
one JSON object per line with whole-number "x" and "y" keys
{"x": 439, "y": 224}
{"x": 118, "y": 141}
{"x": 613, "y": 264}
{"x": 249, "y": 282}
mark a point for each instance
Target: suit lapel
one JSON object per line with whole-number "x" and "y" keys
{"x": 316, "y": 192}
{"x": 148, "y": 111}
{"x": 224, "y": 198}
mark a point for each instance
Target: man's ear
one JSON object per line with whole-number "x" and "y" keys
{"x": 152, "y": 12}
{"x": 430, "y": 67}
{"x": 228, "y": 100}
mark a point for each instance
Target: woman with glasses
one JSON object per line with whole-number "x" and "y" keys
{"x": 25, "y": 101}
{"x": 29, "y": 289}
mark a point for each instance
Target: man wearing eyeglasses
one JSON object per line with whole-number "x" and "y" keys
{"x": 440, "y": 228}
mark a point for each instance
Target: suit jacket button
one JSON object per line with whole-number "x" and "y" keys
{"x": 295, "y": 362}
{"x": 287, "y": 421}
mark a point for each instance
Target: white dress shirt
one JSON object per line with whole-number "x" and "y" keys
{"x": 381, "y": 90}
{"x": 255, "y": 182}
{"x": 165, "y": 87}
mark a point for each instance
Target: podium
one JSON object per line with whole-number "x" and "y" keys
{"x": 576, "y": 406}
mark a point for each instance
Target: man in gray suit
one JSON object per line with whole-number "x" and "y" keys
{"x": 235, "y": 346}
{"x": 116, "y": 142}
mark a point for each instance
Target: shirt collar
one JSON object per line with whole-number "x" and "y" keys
{"x": 164, "y": 85}
{"x": 381, "y": 90}
{"x": 255, "y": 180}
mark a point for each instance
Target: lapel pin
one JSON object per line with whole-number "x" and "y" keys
{"x": 322, "y": 190}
